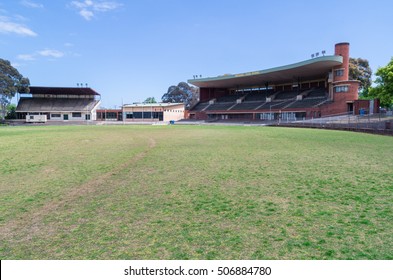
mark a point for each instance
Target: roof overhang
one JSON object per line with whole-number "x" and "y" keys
{"x": 315, "y": 68}
{"x": 148, "y": 105}
{"x": 63, "y": 90}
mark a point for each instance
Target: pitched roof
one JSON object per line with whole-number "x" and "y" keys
{"x": 63, "y": 90}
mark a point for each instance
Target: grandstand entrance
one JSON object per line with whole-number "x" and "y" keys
{"x": 65, "y": 117}
{"x": 350, "y": 107}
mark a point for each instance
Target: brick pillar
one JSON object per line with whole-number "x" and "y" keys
{"x": 342, "y": 49}
{"x": 343, "y": 98}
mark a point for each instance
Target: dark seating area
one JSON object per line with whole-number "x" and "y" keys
{"x": 319, "y": 92}
{"x": 308, "y": 102}
{"x": 221, "y": 106}
{"x": 200, "y": 106}
{"x": 247, "y": 105}
{"x": 286, "y": 95}
{"x": 55, "y": 104}
{"x": 274, "y": 105}
{"x": 229, "y": 98}
{"x": 258, "y": 95}
{"x": 256, "y": 100}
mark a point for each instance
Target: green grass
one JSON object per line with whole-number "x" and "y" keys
{"x": 194, "y": 192}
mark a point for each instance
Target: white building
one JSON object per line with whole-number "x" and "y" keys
{"x": 154, "y": 112}
{"x": 59, "y": 103}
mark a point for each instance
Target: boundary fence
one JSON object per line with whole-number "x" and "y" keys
{"x": 381, "y": 123}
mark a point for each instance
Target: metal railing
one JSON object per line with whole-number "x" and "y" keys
{"x": 381, "y": 123}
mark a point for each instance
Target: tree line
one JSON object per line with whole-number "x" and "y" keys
{"x": 360, "y": 70}
{"x": 181, "y": 93}
{"x": 11, "y": 82}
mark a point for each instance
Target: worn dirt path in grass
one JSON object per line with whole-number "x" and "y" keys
{"x": 30, "y": 224}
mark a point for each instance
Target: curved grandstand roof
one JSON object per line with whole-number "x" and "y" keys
{"x": 63, "y": 90}
{"x": 308, "y": 69}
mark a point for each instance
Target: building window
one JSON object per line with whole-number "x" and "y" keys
{"x": 55, "y": 116}
{"x": 76, "y": 115}
{"x": 339, "y": 72}
{"x": 147, "y": 115}
{"x": 157, "y": 115}
{"x": 137, "y": 115}
{"x": 111, "y": 115}
{"x": 129, "y": 116}
{"x": 341, "y": 89}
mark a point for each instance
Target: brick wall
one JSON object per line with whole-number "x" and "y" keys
{"x": 341, "y": 99}
{"x": 342, "y": 49}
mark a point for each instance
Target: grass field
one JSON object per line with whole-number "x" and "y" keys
{"x": 194, "y": 192}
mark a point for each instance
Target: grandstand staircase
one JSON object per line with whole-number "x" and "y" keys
{"x": 260, "y": 106}
{"x": 290, "y": 104}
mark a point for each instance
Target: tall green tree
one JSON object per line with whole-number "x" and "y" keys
{"x": 384, "y": 85}
{"x": 11, "y": 82}
{"x": 359, "y": 69}
{"x": 11, "y": 112}
{"x": 150, "y": 100}
{"x": 182, "y": 93}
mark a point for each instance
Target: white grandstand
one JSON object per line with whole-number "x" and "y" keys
{"x": 59, "y": 104}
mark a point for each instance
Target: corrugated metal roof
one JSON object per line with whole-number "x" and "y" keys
{"x": 63, "y": 90}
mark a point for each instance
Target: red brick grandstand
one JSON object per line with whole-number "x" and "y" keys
{"x": 308, "y": 89}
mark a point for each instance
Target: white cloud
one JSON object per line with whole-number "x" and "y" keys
{"x": 20, "y": 18}
{"x": 106, "y": 6}
{"x": 31, "y": 4}
{"x": 88, "y": 8}
{"x": 51, "y": 53}
{"x": 8, "y": 26}
{"x": 86, "y": 14}
{"x": 26, "y": 57}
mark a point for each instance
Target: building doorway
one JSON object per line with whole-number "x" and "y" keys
{"x": 350, "y": 107}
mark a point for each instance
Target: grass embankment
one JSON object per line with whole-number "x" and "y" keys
{"x": 179, "y": 192}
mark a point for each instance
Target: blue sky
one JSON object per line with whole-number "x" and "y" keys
{"x": 131, "y": 50}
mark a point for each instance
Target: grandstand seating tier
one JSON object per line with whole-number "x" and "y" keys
{"x": 220, "y": 106}
{"x": 258, "y": 95}
{"x": 286, "y": 95}
{"x": 320, "y": 92}
{"x": 308, "y": 102}
{"x": 256, "y": 100}
{"x": 55, "y": 104}
{"x": 200, "y": 106}
{"x": 247, "y": 105}
{"x": 229, "y": 98}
